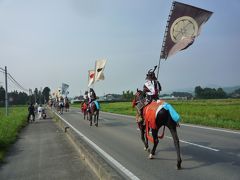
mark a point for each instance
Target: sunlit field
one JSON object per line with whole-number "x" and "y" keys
{"x": 10, "y": 125}
{"x": 216, "y": 113}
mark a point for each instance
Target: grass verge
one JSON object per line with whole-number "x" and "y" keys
{"x": 10, "y": 126}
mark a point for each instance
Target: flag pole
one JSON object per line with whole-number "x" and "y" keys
{"x": 159, "y": 62}
{"x": 163, "y": 54}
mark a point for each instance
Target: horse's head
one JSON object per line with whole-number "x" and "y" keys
{"x": 138, "y": 97}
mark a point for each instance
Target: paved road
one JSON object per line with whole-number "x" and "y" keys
{"x": 206, "y": 153}
{"x": 44, "y": 152}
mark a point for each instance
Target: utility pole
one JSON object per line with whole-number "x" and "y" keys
{"x": 6, "y": 91}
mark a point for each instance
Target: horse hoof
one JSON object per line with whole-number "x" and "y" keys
{"x": 179, "y": 165}
{"x": 146, "y": 149}
{"x": 150, "y": 156}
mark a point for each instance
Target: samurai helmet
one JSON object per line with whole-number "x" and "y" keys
{"x": 151, "y": 74}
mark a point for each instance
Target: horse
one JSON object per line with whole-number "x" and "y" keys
{"x": 66, "y": 104}
{"x": 84, "y": 110}
{"x": 94, "y": 112}
{"x": 160, "y": 118}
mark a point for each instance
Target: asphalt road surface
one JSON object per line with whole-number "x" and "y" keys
{"x": 43, "y": 152}
{"x": 207, "y": 153}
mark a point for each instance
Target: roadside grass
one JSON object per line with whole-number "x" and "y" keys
{"x": 222, "y": 113}
{"x": 10, "y": 126}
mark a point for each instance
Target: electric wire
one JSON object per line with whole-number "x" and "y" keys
{"x": 12, "y": 79}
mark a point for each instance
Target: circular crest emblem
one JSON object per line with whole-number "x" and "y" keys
{"x": 184, "y": 26}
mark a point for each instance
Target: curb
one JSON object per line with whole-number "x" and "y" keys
{"x": 98, "y": 164}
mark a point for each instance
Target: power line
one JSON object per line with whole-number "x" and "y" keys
{"x": 2, "y": 71}
{"x": 16, "y": 83}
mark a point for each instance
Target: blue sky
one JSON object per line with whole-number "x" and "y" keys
{"x": 47, "y": 42}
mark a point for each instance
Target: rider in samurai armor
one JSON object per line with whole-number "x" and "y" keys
{"x": 151, "y": 89}
{"x": 91, "y": 97}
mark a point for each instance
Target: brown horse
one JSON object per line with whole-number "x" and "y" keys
{"x": 93, "y": 113}
{"x": 66, "y": 104}
{"x": 84, "y": 110}
{"x": 162, "y": 118}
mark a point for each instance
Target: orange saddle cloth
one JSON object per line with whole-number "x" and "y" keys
{"x": 149, "y": 113}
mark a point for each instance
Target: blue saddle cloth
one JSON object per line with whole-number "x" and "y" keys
{"x": 175, "y": 116}
{"x": 97, "y": 104}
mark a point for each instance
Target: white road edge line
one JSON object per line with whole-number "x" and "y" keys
{"x": 209, "y": 128}
{"x": 198, "y": 145}
{"x": 106, "y": 155}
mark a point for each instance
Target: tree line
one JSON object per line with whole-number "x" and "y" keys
{"x": 199, "y": 93}
{"x": 22, "y": 98}
{"x": 212, "y": 93}
{"x": 40, "y": 97}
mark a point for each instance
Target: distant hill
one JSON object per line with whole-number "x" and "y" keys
{"x": 231, "y": 89}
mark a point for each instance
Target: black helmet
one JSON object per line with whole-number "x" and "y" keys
{"x": 151, "y": 74}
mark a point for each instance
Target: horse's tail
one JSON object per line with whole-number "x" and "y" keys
{"x": 162, "y": 135}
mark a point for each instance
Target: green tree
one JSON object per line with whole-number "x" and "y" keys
{"x": 220, "y": 93}
{"x": 36, "y": 95}
{"x": 209, "y": 93}
{"x": 18, "y": 98}
{"x": 198, "y": 92}
{"x": 46, "y": 93}
{"x": 128, "y": 95}
{"x": 2, "y": 96}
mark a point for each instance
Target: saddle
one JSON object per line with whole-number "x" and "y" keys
{"x": 150, "y": 113}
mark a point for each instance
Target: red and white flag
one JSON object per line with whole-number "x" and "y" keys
{"x": 91, "y": 74}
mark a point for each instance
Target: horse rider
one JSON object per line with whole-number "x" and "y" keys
{"x": 151, "y": 89}
{"x": 91, "y": 97}
{"x": 85, "y": 97}
{"x": 151, "y": 86}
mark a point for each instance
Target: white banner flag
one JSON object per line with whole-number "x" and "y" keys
{"x": 99, "y": 68}
{"x": 91, "y": 74}
{"x": 64, "y": 88}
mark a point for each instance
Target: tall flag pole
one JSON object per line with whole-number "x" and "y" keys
{"x": 183, "y": 26}
{"x": 164, "y": 39}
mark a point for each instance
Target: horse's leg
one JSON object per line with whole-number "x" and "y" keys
{"x": 97, "y": 114}
{"x": 143, "y": 135}
{"x": 94, "y": 118}
{"x": 173, "y": 131}
{"x": 155, "y": 142}
{"x": 90, "y": 116}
